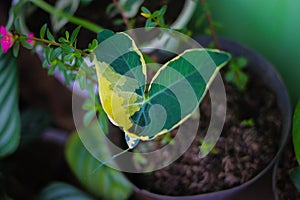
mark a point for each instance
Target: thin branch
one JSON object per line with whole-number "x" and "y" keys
{"x": 211, "y": 25}
{"x": 122, "y": 12}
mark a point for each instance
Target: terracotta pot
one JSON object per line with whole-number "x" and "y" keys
{"x": 260, "y": 186}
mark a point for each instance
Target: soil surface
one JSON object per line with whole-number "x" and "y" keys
{"x": 242, "y": 151}
{"x": 285, "y": 187}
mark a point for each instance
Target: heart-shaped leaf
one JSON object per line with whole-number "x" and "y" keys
{"x": 9, "y": 110}
{"x": 142, "y": 111}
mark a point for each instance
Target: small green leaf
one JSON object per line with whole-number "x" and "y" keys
{"x": 118, "y": 22}
{"x": 163, "y": 10}
{"x": 75, "y": 34}
{"x": 295, "y": 176}
{"x": 82, "y": 79}
{"x": 145, "y": 10}
{"x": 155, "y": 14}
{"x": 67, "y": 34}
{"x": 88, "y": 117}
{"x": 103, "y": 121}
{"x": 26, "y": 44}
{"x": 16, "y": 48}
{"x": 62, "y": 191}
{"x": 43, "y": 31}
{"x": 50, "y": 36}
{"x": 296, "y": 131}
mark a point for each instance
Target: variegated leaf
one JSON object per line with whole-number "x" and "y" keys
{"x": 144, "y": 112}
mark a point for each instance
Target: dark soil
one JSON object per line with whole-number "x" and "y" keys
{"x": 285, "y": 187}
{"x": 239, "y": 155}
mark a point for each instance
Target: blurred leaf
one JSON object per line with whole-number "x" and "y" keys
{"x": 34, "y": 121}
{"x": 43, "y": 31}
{"x": 9, "y": 112}
{"x": 16, "y": 48}
{"x": 103, "y": 182}
{"x": 295, "y": 176}
{"x": 75, "y": 34}
{"x": 88, "y": 117}
{"x": 131, "y": 7}
{"x": 145, "y": 10}
{"x": 50, "y": 36}
{"x": 62, "y": 191}
{"x": 85, "y": 2}
{"x": 296, "y": 132}
{"x": 67, "y": 6}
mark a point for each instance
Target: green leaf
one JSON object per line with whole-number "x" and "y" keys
{"x": 295, "y": 176}
{"x": 75, "y": 34}
{"x": 9, "y": 111}
{"x": 62, "y": 191}
{"x": 50, "y": 36}
{"x": 296, "y": 132}
{"x": 104, "y": 181}
{"x": 173, "y": 95}
{"x": 16, "y": 48}
{"x": 163, "y": 10}
{"x": 43, "y": 31}
{"x": 145, "y": 10}
{"x": 88, "y": 117}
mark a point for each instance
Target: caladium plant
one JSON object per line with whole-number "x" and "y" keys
{"x": 144, "y": 111}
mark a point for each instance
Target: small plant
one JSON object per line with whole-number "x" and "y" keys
{"x": 235, "y": 74}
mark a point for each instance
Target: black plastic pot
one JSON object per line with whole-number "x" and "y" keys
{"x": 259, "y": 187}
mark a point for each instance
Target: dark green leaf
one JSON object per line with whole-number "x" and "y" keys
{"x": 75, "y": 34}
{"x": 50, "y": 36}
{"x": 103, "y": 35}
{"x": 296, "y": 132}
{"x": 16, "y": 49}
{"x": 9, "y": 110}
{"x": 103, "y": 121}
{"x": 295, "y": 176}
{"x": 43, "y": 31}
{"x": 26, "y": 44}
{"x": 62, "y": 191}
{"x": 103, "y": 181}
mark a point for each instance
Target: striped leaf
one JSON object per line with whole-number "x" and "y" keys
{"x": 101, "y": 181}
{"x": 9, "y": 111}
{"x": 172, "y": 96}
{"x": 62, "y": 191}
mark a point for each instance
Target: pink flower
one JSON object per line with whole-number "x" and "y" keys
{"x": 30, "y": 40}
{"x": 6, "y": 40}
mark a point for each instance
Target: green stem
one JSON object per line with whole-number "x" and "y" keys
{"x": 50, "y": 9}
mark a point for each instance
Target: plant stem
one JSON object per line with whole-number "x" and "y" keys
{"x": 211, "y": 25}
{"x": 50, "y": 9}
{"x": 121, "y": 10}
